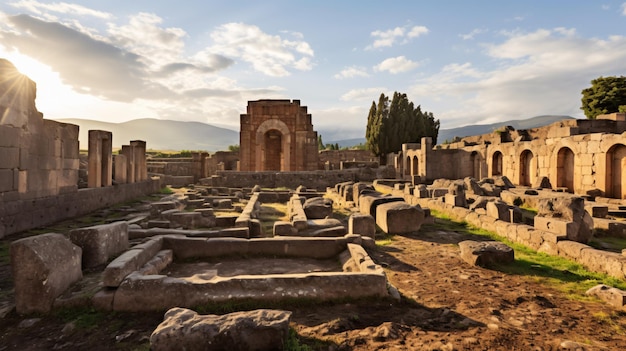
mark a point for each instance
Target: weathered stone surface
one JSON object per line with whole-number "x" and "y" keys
{"x": 100, "y": 242}
{"x": 362, "y": 224}
{"x": 368, "y": 203}
{"x": 481, "y": 202}
{"x": 318, "y": 208}
{"x": 542, "y": 183}
{"x": 485, "y": 253}
{"x": 184, "y": 329}
{"x": 130, "y": 261}
{"x": 43, "y": 267}
{"x": 399, "y": 217}
{"x": 499, "y": 210}
{"x": 284, "y": 228}
{"x": 613, "y": 296}
{"x": 566, "y": 209}
{"x": 503, "y": 182}
{"x": 473, "y": 187}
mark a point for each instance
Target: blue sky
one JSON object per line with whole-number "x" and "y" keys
{"x": 468, "y": 62}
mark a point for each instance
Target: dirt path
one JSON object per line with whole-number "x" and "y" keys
{"x": 446, "y": 305}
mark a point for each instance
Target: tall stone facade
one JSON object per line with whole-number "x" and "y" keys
{"x": 578, "y": 156}
{"x": 277, "y": 135}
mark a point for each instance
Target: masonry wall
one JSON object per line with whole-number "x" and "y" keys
{"x": 39, "y": 164}
{"x": 333, "y": 158}
{"x": 315, "y": 179}
{"x": 580, "y": 156}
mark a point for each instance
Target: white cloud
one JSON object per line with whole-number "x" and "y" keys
{"x": 364, "y": 94}
{"x": 541, "y": 72}
{"x": 624, "y": 9}
{"x": 269, "y": 54}
{"x": 398, "y": 35}
{"x": 352, "y": 72}
{"x": 472, "y": 34}
{"x": 396, "y": 65}
{"x": 39, "y": 8}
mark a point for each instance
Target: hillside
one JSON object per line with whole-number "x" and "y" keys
{"x": 477, "y": 129}
{"x": 161, "y": 134}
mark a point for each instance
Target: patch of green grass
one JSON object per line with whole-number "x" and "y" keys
{"x": 83, "y": 318}
{"x": 608, "y": 243}
{"x": 166, "y": 190}
{"x": 563, "y": 274}
{"x": 4, "y": 252}
{"x": 296, "y": 342}
{"x": 384, "y": 239}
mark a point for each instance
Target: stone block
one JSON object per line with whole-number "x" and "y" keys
{"x": 184, "y": 329}
{"x": 399, "y": 217}
{"x": 486, "y": 253}
{"x": 318, "y": 208}
{"x": 43, "y": 267}
{"x": 101, "y": 242}
{"x": 187, "y": 220}
{"x": 284, "y": 228}
{"x": 455, "y": 200}
{"x": 613, "y": 296}
{"x": 369, "y": 203}
{"x": 362, "y": 224}
{"x": 130, "y": 261}
{"x": 9, "y": 157}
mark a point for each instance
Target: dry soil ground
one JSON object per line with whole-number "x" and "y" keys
{"x": 446, "y": 304}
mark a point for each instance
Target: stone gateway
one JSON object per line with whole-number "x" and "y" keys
{"x": 277, "y": 135}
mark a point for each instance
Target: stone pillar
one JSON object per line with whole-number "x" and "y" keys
{"x": 121, "y": 171}
{"x": 100, "y": 161}
{"x": 141, "y": 166}
{"x": 127, "y": 151}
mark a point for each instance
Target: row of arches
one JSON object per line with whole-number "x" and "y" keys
{"x": 566, "y": 161}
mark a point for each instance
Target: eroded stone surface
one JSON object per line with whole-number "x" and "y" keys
{"x": 485, "y": 253}
{"x": 184, "y": 329}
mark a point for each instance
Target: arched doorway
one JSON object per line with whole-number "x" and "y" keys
{"x": 407, "y": 169}
{"x": 496, "y": 164}
{"x": 565, "y": 169}
{"x": 415, "y": 165}
{"x": 475, "y": 159}
{"x": 526, "y": 169}
{"x": 615, "y": 174}
{"x": 273, "y": 153}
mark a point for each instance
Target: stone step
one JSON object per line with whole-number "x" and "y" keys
{"x": 618, "y": 213}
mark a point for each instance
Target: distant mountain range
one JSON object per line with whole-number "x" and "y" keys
{"x": 477, "y": 129}
{"x": 174, "y": 135}
{"x": 161, "y": 134}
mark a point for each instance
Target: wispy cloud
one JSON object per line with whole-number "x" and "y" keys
{"x": 624, "y": 9}
{"x": 40, "y": 8}
{"x": 472, "y": 34}
{"x": 398, "y": 35}
{"x": 540, "y": 72}
{"x": 352, "y": 72}
{"x": 364, "y": 94}
{"x": 268, "y": 54}
{"x": 395, "y": 65}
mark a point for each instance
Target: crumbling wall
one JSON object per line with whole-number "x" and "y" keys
{"x": 39, "y": 164}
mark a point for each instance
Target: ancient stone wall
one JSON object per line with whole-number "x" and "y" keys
{"x": 332, "y": 159}
{"x": 39, "y": 163}
{"x": 579, "y": 156}
{"x": 277, "y": 135}
{"x": 319, "y": 180}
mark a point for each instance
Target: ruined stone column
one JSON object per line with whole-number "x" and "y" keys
{"x": 121, "y": 171}
{"x": 141, "y": 166}
{"x": 127, "y": 151}
{"x": 100, "y": 161}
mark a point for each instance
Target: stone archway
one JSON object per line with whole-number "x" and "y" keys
{"x": 476, "y": 162}
{"x": 496, "y": 164}
{"x": 615, "y": 174}
{"x": 565, "y": 169}
{"x": 407, "y": 169}
{"x": 273, "y": 152}
{"x": 415, "y": 165}
{"x": 527, "y": 168}
{"x": 273, "y": 146}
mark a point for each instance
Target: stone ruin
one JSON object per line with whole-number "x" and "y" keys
{"x": 570, "y": 171}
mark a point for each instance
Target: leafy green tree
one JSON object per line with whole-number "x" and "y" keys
{"x": 234, "y": 148}
{"x": 320, "y": 143}
{"x": 606, "y": 95}
{"x": 393, "y": 123}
